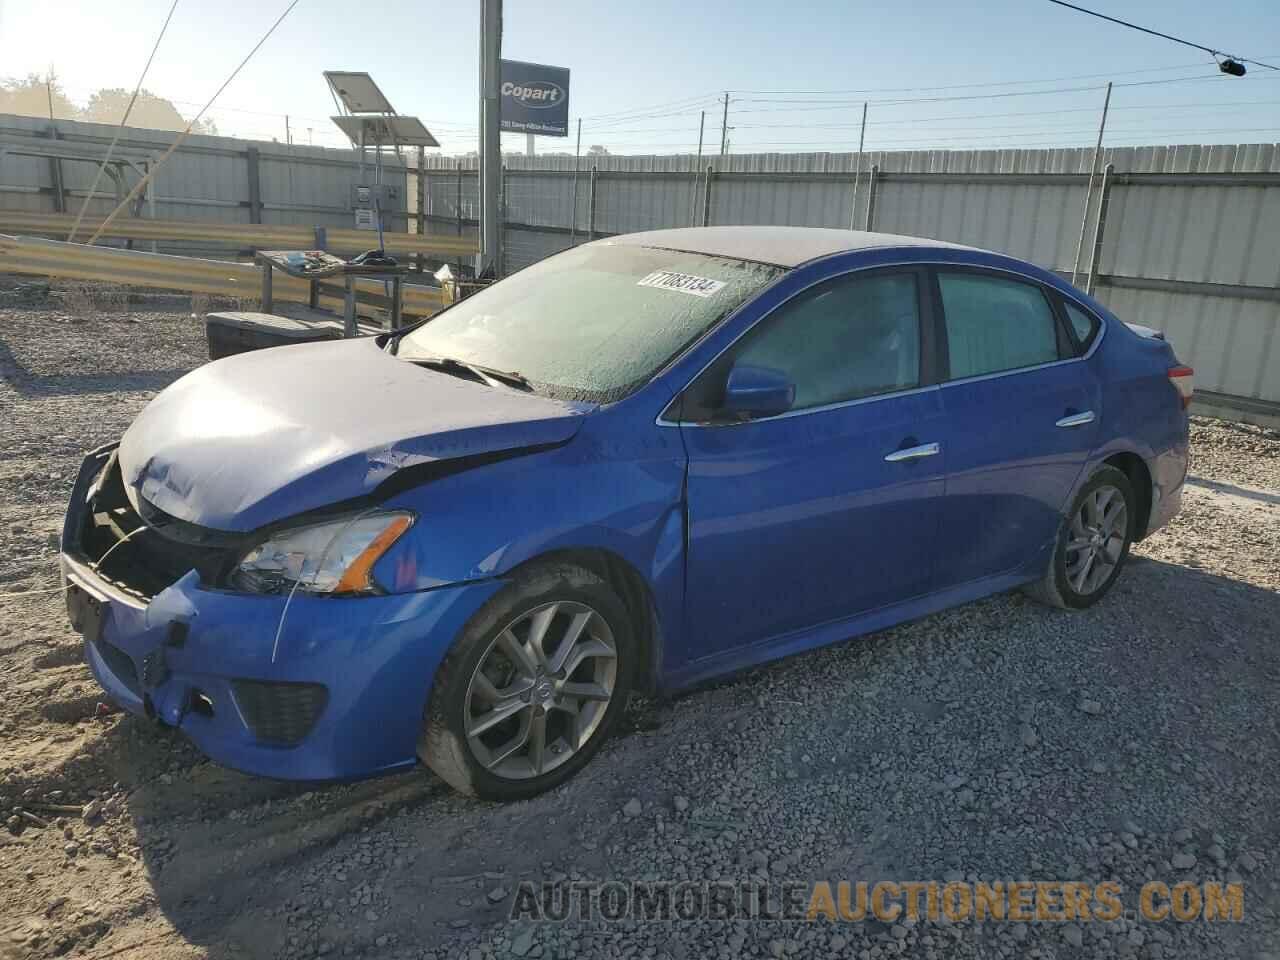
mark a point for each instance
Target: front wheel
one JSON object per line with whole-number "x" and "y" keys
{"x": 532, "y": 687}
{"x": 1093, "y": 543}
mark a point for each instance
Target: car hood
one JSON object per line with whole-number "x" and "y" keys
{"x": 261, "y": 436}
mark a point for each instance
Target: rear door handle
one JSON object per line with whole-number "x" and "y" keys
{"x": 914, "y": 453}
{"x": 1077, "y": 419}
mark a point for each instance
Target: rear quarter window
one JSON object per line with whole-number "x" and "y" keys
{"x": 1083, "y": 325}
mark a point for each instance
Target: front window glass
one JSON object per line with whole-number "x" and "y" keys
{"x": 850, "y": 338}
{"x": 592, "y": 323}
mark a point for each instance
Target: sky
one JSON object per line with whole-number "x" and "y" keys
{"x": 938, "y": 74}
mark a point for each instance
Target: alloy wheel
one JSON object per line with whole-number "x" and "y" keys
{"x": 1096, "y": 540}
{"x": 541, "y": 690}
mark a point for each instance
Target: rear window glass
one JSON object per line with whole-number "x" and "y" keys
{"x": 995, "y": 324}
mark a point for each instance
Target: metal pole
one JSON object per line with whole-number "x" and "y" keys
{"x": 490, "y": 140}
{"x": 288, "y": 134}
{"x": 255, "y": 185}
{"x": 871, "y": 196}
{"x": 502, "y": 222}
{"x": 577, "y": 154}
{"x": 706, "y": 197}
{"x": 1088, "y": 197}
{"x": 693, "y": 200}
{"x": 457, "y": 207}
{"x": 1104, "y": 199}
{"x": 55, "y": 165}
{"x": 528, "y": 144}
{"x": 724, "y": 128}
{"x": 857, "y": 169}
{"x": 422, "y": 200}
{"x": 591, "y": 204}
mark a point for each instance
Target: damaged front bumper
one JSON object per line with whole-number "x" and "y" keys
{"x": 304, "y": 688}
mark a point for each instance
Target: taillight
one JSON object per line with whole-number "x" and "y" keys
{"x": 1183, "y": 380}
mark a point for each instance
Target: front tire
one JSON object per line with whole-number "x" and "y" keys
{"x": 532, "y": 687}
{"x": 1092, "y": 545}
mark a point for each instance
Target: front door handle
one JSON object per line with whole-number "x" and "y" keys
{"x": 914, "y": 453}
{"x": 1077, "y": 419}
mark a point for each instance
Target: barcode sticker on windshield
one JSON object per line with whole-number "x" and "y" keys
{"x": 683, "y": 283}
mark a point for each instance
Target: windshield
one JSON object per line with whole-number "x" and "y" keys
{"x": 592, "y": 323}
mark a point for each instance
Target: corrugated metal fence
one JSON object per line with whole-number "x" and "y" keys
{"x": 1189, "y": 241}
{"x": 218, "y": 179}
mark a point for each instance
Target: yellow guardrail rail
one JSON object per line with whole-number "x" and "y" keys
{"x": 53, "y": 258}
{"x": 261, "y": 235}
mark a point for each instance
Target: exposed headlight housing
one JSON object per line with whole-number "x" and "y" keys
{"x": 334, "y": 557}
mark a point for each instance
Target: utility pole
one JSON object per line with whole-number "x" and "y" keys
{"x": 857, "y": 170}
{"x": 490, "y": 138}
{"x": 288, "y": 134}
{"x": 577, "y": 155}
{"x": 724, "y": 128}
{"x": 693, "y": 202}
{"x": 1088, "y": 196}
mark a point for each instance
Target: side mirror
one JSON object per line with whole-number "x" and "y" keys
{"x": 758, "y": 391}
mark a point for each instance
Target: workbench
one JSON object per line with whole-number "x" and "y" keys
{"x": 315, "y": 266}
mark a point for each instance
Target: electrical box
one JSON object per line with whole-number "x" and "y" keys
{"x": 364, "y": 197}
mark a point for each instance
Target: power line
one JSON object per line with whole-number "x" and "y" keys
{"x": 683, "y": 102}
{"x": 1156, "y": 33}
{"x": 142, "y": 183}
{"x": 913, "y": 121}
{"x": 990, "y": 83}
{"x": 1040, "y": 138}
{"x": 164, "y": 27}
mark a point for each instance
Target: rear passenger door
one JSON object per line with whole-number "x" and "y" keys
{"x": 1022, "y": 413}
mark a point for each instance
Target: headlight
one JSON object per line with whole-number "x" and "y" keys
{"x": 332, "y": 557}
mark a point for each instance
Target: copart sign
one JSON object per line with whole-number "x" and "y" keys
{"x": 534, "y": 98}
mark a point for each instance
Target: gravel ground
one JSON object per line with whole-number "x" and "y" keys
{"x": 1000, "y": 740}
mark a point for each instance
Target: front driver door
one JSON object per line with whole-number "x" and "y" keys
{"x": 831, "y": 508}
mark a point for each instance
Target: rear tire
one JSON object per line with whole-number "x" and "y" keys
{"x": 1092, "y": 544}
{"x": 533, "y": 686}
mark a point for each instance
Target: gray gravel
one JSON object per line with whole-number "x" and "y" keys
{"x": 1000, "y": 740}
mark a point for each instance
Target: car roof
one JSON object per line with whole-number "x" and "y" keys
{"x": 781, "y": 246}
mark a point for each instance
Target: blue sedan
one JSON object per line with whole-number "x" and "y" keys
{"x": 642, "y": 463}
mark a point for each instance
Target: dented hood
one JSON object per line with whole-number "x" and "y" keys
{"x": 262, "y": 436}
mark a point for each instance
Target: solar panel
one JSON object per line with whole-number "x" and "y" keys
{"x": 358, "y": 92}
{"x": 406, "y": 131}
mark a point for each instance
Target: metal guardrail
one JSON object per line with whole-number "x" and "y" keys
{"x": 266, "y": 236}
{"x": 53, "y": 258}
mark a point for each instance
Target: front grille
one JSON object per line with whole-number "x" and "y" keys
{"x": 280, "y": 713}
{"x": 120, "y": 664}
{"x": 144, "y": 557}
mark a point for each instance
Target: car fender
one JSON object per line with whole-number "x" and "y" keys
{"x": 485, "y": 523}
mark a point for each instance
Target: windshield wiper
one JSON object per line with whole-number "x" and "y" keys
{"x": 509, "y": 378}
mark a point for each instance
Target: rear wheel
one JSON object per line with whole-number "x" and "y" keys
{"x": 1093, "y": 543}
{"x": 532, "y": 687}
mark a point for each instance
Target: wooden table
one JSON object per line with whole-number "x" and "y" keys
{"x": 317, "y": 265}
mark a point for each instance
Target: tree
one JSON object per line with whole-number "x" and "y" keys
{"x": 30, "y": 98}
{"x": 150, "y": 111}
{"x": 596, "y": 150}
